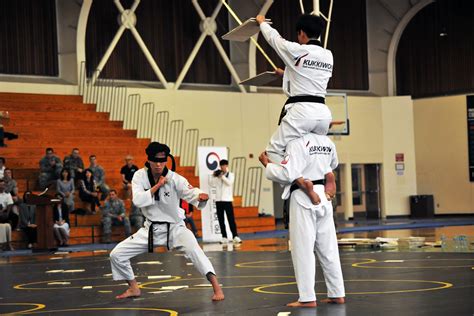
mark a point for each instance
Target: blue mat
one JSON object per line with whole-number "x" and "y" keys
{"x": 370, "y": 228}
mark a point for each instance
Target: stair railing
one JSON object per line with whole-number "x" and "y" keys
{"x": 156, "y": 125}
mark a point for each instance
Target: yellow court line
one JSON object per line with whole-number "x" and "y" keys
{"x": 147, "y": 285}
{"x": 444, "y": 285}
{"x": 38, "y": 307}
{"x": 370, "y": 261}
{"x": 250, "y": 264}
{"x": 169, "y": 311}
{"x": 22, "y": 286}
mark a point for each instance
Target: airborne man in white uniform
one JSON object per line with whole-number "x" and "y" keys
{"x": 308, "y": 68}
{"x": 157, "y": 192}
{"x": 311, "y": 226}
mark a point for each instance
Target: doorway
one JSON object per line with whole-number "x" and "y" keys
{"x": 366, "y": 191}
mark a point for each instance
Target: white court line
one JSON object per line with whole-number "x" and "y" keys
{"x": 172, "y": 288}
{"x": 151, "y": 277}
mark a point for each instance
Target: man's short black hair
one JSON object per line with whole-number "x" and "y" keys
{"x": 49, "y": 149}
{"x": 223, "y": 162}
{"x": 312, "y": 25}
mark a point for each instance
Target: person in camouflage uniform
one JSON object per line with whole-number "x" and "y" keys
{"x": 74, "y": 163}
{"x": 50, "y": 168}
{"x": 113, "y": 213}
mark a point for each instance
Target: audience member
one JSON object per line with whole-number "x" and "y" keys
{"x": 61, "y": 222}
{"x": 28, "y": 224}
{"x": 88, "y": 190}
{"x": 188, "y": 210}
{"x": 127, "y": 173}
{"x": 65, "y": 188}
{"x": 6, "y": 207}
{"x": 113, "y": 213}
{"x": 74, "y": 164}
{"x": 12, "y": 188}
{"x": 2, "y": 167}
{"x": 50, "y": 168}
{"x": 99, "y": 177}
{"x": 136, "y": 217}
{"x": 223, "y": 181}
{"x": 4, "y": 115}
{"x": 5, "y": 237}
{"x": 10, "y": 184}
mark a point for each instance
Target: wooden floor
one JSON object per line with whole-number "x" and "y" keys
{"x": 255, "y": 283}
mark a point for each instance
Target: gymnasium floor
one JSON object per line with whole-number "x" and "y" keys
{"x": 257, "y": 278}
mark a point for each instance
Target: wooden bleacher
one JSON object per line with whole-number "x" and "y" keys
{"x": 64, "y": 122}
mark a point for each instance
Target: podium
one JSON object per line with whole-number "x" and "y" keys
{"x": 44, "y": 220}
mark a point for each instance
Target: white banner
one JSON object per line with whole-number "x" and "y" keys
{"x": 208, "y": 158}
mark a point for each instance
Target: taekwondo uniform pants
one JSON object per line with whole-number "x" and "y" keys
{"x": 301, "y": 118}
{"x": 180, "y": 238}
{"x": 312, "y": 229}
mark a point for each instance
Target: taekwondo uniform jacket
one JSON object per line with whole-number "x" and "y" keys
{"x": 167, "y": 208}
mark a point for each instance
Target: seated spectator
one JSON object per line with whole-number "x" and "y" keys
{"x": 10, "y": 184}
{"x": 88, "y": 190}
{"x": 61, "y": 222}
{"x": 5, "y": 237}
{"x": 65, "y": 188}
{"x": 113, "y": 213}
{"x": 12, "y": 188}
{"x": 188, "y": 209}
{"x": 127, "y": 173}
{"x": 74, "y": 164}
{"x": 99, "y": 177}
{"x": 4, "y": 115}
{"x": 2, "y": 167}
{"x": 50, "y": 168}
{"x": 27, "y": 223}
{"x": 136, "y": 217}
{"x": 6, "y": 207}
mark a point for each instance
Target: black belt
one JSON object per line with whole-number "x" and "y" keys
{"x": 295, "y": 186}
{"x": 300, "y": 98}
{"x": 150, "y": 234}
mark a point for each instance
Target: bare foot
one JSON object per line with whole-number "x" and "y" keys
{"x": 130, "y": 292}
{"x": 218, "y": 293}
{"x": 334, "y": 300}
{"x": 302, "y": 304}
{"x": 308, "y": 189}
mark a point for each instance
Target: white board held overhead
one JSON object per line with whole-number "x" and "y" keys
{"x": 244, "y": 31}
{"x": 261, "y": 79}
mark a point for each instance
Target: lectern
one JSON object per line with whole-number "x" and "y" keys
{"x": 44, "y": 220}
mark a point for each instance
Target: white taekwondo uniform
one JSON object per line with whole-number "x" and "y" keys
{"x": 165, "y": 210}
{"x": 308, "y": 69}
{"x": 311, "y": 226}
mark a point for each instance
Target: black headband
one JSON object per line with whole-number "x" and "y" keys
{"x": 157, "y": 159}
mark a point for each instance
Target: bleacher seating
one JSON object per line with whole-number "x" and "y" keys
{"x": 64, "y": 122}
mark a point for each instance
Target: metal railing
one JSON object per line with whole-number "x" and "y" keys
{"x": 253, "y": 186}
{"x": 156, "y": 125}
{"x": 175, "y": 140}
{"x": 145, "y": 120}
{"x": 206, "y": 142}
{"x": 189, "y": 154}
{"x": 161, "y": 124}
{"x": 238, "y": 167}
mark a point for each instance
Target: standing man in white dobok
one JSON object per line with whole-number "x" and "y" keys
{"x": 158, "y": 191}
{"x": 311, "y": 226}
{"x": 308, "y": 68}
